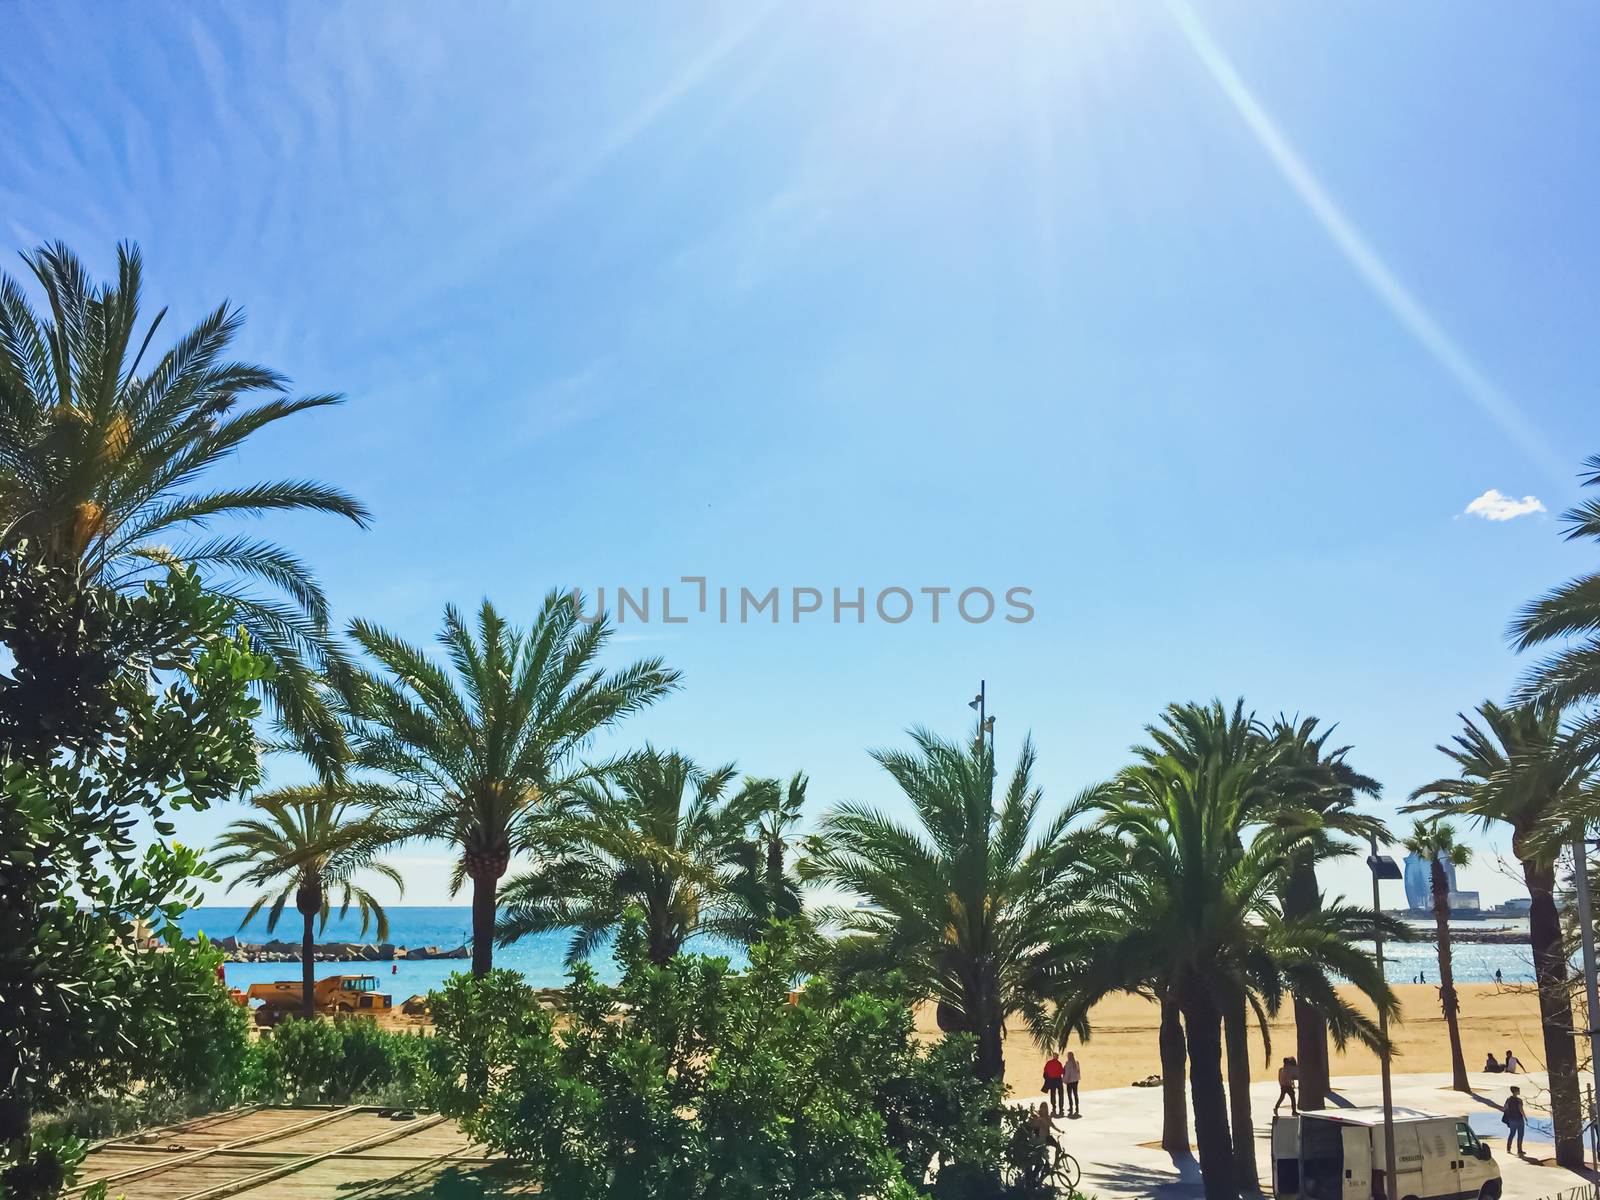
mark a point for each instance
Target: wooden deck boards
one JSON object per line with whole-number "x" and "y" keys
{"x": 298, "y": 1154}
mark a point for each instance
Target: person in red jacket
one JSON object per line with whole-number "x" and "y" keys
{"x": 1053, "y": 1073}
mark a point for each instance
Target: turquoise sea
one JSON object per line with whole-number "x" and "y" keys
{"x": 540, "y": 958}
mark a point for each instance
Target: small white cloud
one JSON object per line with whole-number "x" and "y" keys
{"x": 1494, "y": 505}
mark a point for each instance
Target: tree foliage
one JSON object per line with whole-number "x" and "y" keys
{"x": 965, "y": 900}
{"x": 104, "y": 444}
{"x": 1181, "y": 898}
{"x": 1531, "y": 768}
{"x": 475, "y": 753}
{"x": 119, "y": 709}
{"x": 690, "y": 1080}
{"x": 655, "y": 834}
{"x": 308, "y": 844}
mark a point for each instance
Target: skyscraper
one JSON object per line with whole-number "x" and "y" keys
{"x": 1419, "y": 881}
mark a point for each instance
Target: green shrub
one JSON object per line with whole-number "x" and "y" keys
{"x": 182, "y": 1049}
{"x": 187, "y": 1039}
{"x": 690, "y": 1080}
{"x": 349, "y": 1060}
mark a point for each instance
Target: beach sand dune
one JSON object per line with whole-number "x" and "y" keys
{"x": 1122, "y": 1048}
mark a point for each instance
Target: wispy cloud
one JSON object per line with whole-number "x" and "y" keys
{"x": 1495, "y": 505}
{"x": 555, "y": 406}
{"x": 1406, "y": 308}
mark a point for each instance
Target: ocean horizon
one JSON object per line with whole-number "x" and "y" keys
{"x": 541, "y": 958}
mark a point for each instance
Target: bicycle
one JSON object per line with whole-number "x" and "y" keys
{"x": 1048, "y": 1166}
{"x": 1064, "y": 1172}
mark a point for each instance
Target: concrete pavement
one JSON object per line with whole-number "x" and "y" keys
{"x": 1117, "y": 1140}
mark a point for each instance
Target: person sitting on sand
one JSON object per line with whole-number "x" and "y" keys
{"x": 1288, "y": 1074}
{"x": 1513, "y": 1064}
{"x": 1515, "y": 1118}
{"x": 1491, "y": 1064}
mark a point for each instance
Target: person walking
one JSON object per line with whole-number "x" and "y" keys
{"x": 1071, "y": 1073}
{"x": 1498, "y": 978}
{"x": 1515, "y": 1118}
{"x": 1288, "y": 1076}
{"x": 1053, "y": 1073}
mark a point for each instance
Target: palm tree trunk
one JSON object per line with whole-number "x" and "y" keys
{"x": 1311, "y": 1053}
{"x": 308, "y": 903}
{"x": 1301, "y": 898}
{"x": 308, "y": 974}
{"x": 484, "y": 887}
{"x": 1555, "y": 1012}
{"x": 1237, "y": 1028}
{"x": 774, "y": 873}
{"x": 1174, "y": 1105}
{"x": 991, "y": 1064}
{"x": 1203, "y": 1029}
{"x": 1447, "y": 979}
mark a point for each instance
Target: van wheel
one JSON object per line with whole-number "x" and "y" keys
{"x": 1490, "y": 1190}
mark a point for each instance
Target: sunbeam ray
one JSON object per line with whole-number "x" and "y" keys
{"x": 1368, "y": 263}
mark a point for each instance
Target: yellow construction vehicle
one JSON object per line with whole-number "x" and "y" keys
{"x": 333, "y": 995}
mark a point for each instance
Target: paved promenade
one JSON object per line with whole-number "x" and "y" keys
{"x": 1116, "y": 1140}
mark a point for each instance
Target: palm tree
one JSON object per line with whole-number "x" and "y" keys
{"x": 1319, "y": 780}
{"x": 1573, "y": 609}
{"x": 308, "y": 842}
{"x": 100, "y": 463}
{"x": 764, "y": 889}
{"x": 965, "y": 901}
{"x": 1212, "y": 742}
{"x": 1523, "y": 767}
{"x": 654, "y": 834}
{"x": 1178, "y": 902}
{"x": 1435, "y": 842}
{"x": 476, "y": 753}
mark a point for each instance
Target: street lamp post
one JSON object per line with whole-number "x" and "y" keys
{"x": 1580, "y": 876}
{"x": 985, "y": 722}
{"x": 1384, "y": 867}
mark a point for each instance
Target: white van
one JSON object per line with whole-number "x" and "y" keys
{"x": 1337, "y": 1154}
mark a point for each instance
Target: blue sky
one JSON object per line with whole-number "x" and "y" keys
{"x": 1206, "y": 323}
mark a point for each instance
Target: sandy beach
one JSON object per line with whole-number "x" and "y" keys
{"x": 1123, "y": 1046}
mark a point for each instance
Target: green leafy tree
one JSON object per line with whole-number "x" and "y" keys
{"x": 186, "y": 1039}
{"x": 655, "y": 834}
{"x": 181, "y": 1046}
{"x": 476, "y": 754}
{"x": 965, "y": 901}
{"x": 1435, "y": 842}
{"x": 104, "y": 443}
{"x": 692, "y": 1080}
{"x": 308, "y": 844}
{"x": 1180, "y": 899}
{"x": 1317, "y": 779}
{"x": 1526, "y": 768}
{"x": 117, "y": 708}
